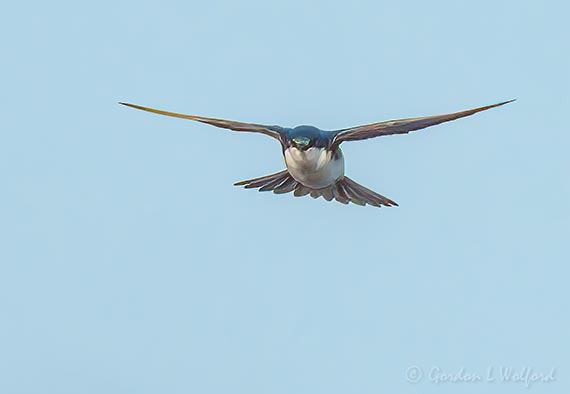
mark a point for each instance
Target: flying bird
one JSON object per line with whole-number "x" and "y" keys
{"x": 314, "y": 160}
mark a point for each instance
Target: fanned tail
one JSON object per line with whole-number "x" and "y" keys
{"x": 344, "y": 190}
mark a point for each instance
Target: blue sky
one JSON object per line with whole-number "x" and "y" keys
{"x": 130, "y": 264}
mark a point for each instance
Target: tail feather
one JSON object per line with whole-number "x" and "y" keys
{"x": 369, "y": 196}
{"x": 301, "y": 191}
{"x": 360, "y": 195}
{"x": 288, "y": 186}
{"x": 340, "y": 194}
{"x": 344, "y": 190}
{"x": 264, "y": 180}
{"x": 353, "y": 195}
{"x": 273, "y": 184}
{"x": 328, "y": 193}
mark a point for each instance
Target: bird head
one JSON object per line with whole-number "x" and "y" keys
{"x": 304, "y": 137}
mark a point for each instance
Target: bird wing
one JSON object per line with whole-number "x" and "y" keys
{"x": 272, "y": 131}
{"x": 403, "y": 126}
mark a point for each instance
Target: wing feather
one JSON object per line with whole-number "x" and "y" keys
{"x": 403, "y": 126}
{"x": 272, "y": 131}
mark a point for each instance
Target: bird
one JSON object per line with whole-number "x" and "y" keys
{"x": 313, "y": 157}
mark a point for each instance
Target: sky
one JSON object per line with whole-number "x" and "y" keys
{"x": 129, "y": 263}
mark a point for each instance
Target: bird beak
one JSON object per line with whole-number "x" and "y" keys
{"x": 301, "y": 142}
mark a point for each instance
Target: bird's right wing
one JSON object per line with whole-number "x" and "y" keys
{"x": 272, "y": 131}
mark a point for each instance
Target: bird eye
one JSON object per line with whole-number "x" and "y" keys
{"x": 301, "y": 141}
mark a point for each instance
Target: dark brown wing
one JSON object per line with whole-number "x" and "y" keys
{"x": 272, "y": 131}
{"x": 402, "y": 126}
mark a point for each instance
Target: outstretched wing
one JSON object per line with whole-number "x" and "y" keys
{"x": 272, "y": 131}
{"x": 402, "y": 126}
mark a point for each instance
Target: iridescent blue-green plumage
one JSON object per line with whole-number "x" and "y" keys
{"x": 314, "y": 160}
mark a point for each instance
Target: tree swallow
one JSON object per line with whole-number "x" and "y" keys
{"x": 314, "y": 160}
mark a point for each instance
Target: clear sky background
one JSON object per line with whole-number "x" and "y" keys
{"x": 130, "y": 264}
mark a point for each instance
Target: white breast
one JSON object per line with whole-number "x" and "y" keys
{"x": 316, "y": 167}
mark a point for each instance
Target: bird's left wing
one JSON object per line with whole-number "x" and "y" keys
{"x": 272, "y": 131}
{"x": 402, "y": 126}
